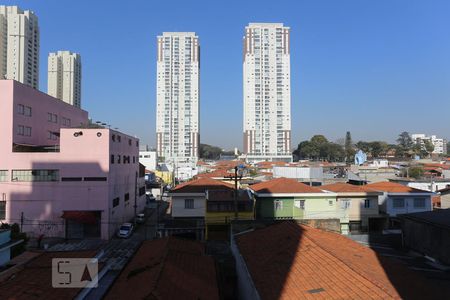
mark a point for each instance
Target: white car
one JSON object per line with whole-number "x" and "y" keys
{"x": 125, "y": 230}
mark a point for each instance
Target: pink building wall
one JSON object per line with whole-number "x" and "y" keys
{"x": 85, "y": 155}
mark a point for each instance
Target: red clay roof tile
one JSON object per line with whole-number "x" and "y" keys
{"x": 283, "y": 186}
{"x": 393, "y": 187}
{"x": 292, "y": 261}
{"x": 201, "y": 185}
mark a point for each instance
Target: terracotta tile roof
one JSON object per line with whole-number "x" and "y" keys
{"x": 292, "y": 261}
{"x": 228, "y": 195}
{"x": 221, "y": 173}
{"x": 168, "y": 268}
{"x": 201, "y": 185}
{"x": 283, "y": 186}
{"x": 347, "y": 188}
{"x": 393, "y": 187}
{"x": 35, "y": 280}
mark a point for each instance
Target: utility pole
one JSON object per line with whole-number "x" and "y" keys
{"x": 135, "y": 197}
{"x": 235, "y": 193}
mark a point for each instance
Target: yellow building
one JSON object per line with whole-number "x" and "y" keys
{"x": 220, "y": 211}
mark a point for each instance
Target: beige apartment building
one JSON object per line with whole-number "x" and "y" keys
{"x": 64, "y": 77}
{"x": 19, "y": 45}
{"x": 267, "y": 92}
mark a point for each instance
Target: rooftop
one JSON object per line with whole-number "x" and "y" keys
{"x": 283, "y": 186}
{"x": 347, "y": 188}
{"x": 392, "y": 187}
{"x": 292, "y": 261}
{"x": 35, "y": 280}
{"x": 168, "y": 268}
{"x": 201, "y": 185}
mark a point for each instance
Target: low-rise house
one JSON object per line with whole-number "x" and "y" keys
{"x": 188, "y": 200}
{"x": 357, "y": 206}
{"x": 167, "y": 268}
{"x": 220, "y": 210}
{"x": 285, "y": 198}
{"x": 445, "y": 198}
{"x": 292, "y": 261}
{"x": 399, "y": 199}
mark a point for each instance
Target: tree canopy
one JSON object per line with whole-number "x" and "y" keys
{"x": 319, "y": 148}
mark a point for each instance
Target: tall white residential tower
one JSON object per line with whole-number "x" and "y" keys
{"x": 177, "y": 111}
{"x": 19, "y": 45}
{"x": 64, "y": 77}
{"x": 267, "y": 92}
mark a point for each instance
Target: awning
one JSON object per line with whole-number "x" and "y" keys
{"x": 87, "y": 217}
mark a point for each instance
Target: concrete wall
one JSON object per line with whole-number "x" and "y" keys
{"x": 427, "y": 239}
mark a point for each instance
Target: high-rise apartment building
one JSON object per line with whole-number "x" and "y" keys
{"x": 64, "y": 77}
{"x": 177, "y": 111}
{"x": 267, "y": 92}
{"x": 19, "y": 45}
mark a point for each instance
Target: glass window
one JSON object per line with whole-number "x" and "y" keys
{"x": 419, "y": 203}
{"x": 116, "y": 201}
{"x": 20, "y": 109}
{"x": 35, "y": 175}
{"x": 2, "y": 210}
{"x": 299, "y": 204}
{"x": 3, "y": 175}
{"x": 367, "y": 203}
{"x": 278, "y": 205}
{"x": 398, "y": 203}
{"x": 188, "y": 203}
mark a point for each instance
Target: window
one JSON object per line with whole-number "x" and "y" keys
{"x": 278, "y": 204}
{"x": 330, "y": 202}
{"x": 52, "y": 118}
{"x": 398, "y": 203}
{"x": 24, "y": 110}
{"x": 116, "y": 201}
{"x": 112, "y": 159}
{"x": 3, "y": 175}
{"x": 127, "y": 196}
{"x": 24, "y": 130}
{"x": 52, "y": 136}
{"x": 2, "y": 210}
{"x": 188, "y": 203}
{"x": 71, "y": 179}
{"x": 299, "y": 204}
{"x": 367, "y": 203}
{"x": 141, "y": 190}
{"x": 118, "y": 159}
{"x": 95, "y": 179}
{"x": 35, "y": 175}
{"x": 419, "y": 203}
{"x": 345, "y": 203}
{"x": 66, "y": 121}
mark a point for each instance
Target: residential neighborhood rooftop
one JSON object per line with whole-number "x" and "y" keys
{"x": 168, "y": 268}
{"x": 347, "y": 188}
{"x": 283, "y": 186}
{"x": 440, "y": 217}
{"x": 201, "y": 185}
{"x": 292, "y": 261}
{"x": 392, "y": 187}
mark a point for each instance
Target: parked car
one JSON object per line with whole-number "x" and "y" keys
{"x": 125, "y": 230}
{"x": 140, "y": 218}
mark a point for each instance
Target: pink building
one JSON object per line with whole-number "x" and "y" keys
{"x": 59, "y": 175}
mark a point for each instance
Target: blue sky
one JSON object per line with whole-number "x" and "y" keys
{"x": 375, "y": 68}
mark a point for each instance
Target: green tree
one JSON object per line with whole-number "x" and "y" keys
{"x": 209, "y": 152}
{"x": 319, "y": 148}
{"x": 429, "y": 147}
{"x": 378, "y": 148}
{"x": 348, "y": 147}
{"x": 415, "y": 172}
{"x": 405, "y": 144}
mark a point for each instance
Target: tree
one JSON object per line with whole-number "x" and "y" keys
{"x": 364, "y": 146}
{"x": 16, "y": 235}
{"x": 429, "y": 147}
{"x": 415, "y": 172}
{"x": 405, "y": 144}
{"x": 348, "y": 147}
{"x": 378, "y": 148}
{"x": 209, "y": 152}
{"x": 319, "y": 148}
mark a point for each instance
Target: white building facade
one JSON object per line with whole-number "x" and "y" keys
{"x": 267, "y": 92}
{"x": 178, "y": 94}
{"x": 64, "y": 77}
{"x": 19, "y": 45}
{"x": 440, "y": 145}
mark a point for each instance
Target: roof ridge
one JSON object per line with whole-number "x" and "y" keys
{"x": 375, "y": 282}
